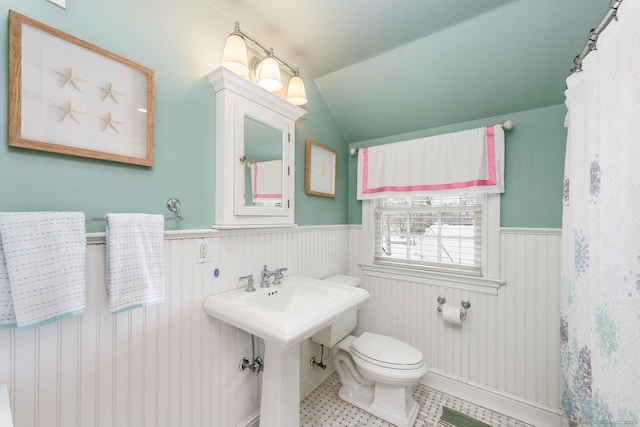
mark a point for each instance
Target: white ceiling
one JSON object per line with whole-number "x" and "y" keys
{"x": 322, "y": 36}
{"x": 386, "y": 67}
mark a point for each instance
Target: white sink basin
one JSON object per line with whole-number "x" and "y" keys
{"x": 288, "y": 313}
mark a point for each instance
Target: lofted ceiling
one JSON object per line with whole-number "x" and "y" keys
{"x": 387, "y": 67}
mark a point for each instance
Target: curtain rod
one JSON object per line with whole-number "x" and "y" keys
{"x": 594, "y": 33}
{"x": 507, "y": 125}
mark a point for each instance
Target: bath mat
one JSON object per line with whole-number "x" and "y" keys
{"x": 451, "y": 418}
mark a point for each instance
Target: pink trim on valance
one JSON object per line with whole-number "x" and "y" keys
{"x": 468, "y": 161}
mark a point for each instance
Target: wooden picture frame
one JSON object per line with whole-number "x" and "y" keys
{"x": 71, "y": 97}
{"x": 320, "y": 170}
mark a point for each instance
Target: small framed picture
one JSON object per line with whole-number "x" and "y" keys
{"x": 320, "y": 171}
{"x": 71, "y": 97}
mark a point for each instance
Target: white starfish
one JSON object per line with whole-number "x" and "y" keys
{"x": 110, "y": 123}
{"x": 69, "y": 113}
{"x": 70, "y": 78}
{"x": 110, "y": 93}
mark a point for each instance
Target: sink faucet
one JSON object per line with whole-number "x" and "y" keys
{"x": 264, "y": 277}
{"x": 249, "y": 280}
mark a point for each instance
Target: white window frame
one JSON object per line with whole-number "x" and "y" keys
{"x": 487, "y": 282}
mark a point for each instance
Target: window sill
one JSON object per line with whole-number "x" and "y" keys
{"x": 434, "y": 278}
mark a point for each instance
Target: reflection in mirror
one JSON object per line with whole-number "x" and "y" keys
{"x": 263, "y": 172}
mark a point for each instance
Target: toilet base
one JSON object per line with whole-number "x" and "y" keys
{"x": 393, "y": 404}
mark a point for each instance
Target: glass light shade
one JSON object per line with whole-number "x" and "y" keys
{"x": 296, "y": 94}
{"x": 234, "y": 56}
{"x": 269, "y": 75}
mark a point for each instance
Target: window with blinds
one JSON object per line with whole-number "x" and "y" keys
{"x": 438, "y": 232}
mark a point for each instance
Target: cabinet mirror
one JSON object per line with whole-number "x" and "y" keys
{"x": 263, "y": 173}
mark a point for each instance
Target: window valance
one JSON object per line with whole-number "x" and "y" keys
{"x": 470, "y": 161}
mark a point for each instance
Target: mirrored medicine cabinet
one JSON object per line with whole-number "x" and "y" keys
{"x": 255, "y": 154}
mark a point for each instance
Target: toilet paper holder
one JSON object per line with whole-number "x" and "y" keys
{"x": 465, "y": 303}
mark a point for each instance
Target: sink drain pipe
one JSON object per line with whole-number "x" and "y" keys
{"x": 313, "y": 362}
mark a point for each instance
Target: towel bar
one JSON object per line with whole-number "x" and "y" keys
{"x": 173, "y": 205}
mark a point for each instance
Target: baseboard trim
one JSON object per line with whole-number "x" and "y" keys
{"x": 495, "y": 400}
{"x": 252, "y": 421}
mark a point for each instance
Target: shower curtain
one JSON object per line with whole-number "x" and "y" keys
{"x": 600, "y": 291}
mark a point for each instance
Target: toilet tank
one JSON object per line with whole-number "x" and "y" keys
{"x": 344, "y": 324}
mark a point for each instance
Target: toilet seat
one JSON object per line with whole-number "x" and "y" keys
{"x": 387, "y": 360}
{"x": 387, "y": 352}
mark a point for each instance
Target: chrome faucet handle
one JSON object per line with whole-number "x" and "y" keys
{"x": 249, "y": 279}
{"x": 278, "y": 275}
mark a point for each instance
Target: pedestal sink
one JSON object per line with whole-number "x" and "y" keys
{"x": 283, "y": 316}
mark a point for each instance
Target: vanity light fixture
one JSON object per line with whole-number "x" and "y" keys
{"x": 265, "y": 72}
{"x": 235, "y": 54}
{"x": 296, "y": 93}
{"x": 269, "y": 73}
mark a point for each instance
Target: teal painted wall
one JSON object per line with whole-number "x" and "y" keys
{"x": 534, "y": 166}
{"x": 181, "y": 41}
{"x": 316, "y": 210}
{"x": 494, "y": 63}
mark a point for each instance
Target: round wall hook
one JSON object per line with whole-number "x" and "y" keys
{"x": 173, "y": 205}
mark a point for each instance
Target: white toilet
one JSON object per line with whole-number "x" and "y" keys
{"x": 377, "y": 372}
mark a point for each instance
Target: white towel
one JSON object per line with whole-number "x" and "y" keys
{"x": 266, "y": 180}
{"x": 42, "y": 267}
{"x": 134, "y": 260}
{"x": 7, "y": 313}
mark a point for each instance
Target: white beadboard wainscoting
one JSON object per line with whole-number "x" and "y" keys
{"x": 172, "y": 365}
{"x": 506, "y": 354}
{"x": 164, "y": 365}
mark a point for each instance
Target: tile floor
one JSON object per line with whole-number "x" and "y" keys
{"x": 323, "y": 407}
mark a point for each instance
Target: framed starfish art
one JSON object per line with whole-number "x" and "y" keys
{"x": 70, "y": 97}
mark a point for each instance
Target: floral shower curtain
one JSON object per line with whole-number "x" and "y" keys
{"x": 600, "y": 294}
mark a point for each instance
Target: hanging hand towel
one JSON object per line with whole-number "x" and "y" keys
{"x": 266, "y": 181}
{"x": 7, "y": 314}
{"x": 42, "y": 267}
{"x": 134, "y": 260}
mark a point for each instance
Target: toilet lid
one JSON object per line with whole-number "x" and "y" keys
{"x": 386, "y": 351}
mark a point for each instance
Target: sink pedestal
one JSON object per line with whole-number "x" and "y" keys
{"x": 280, "y": 402}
